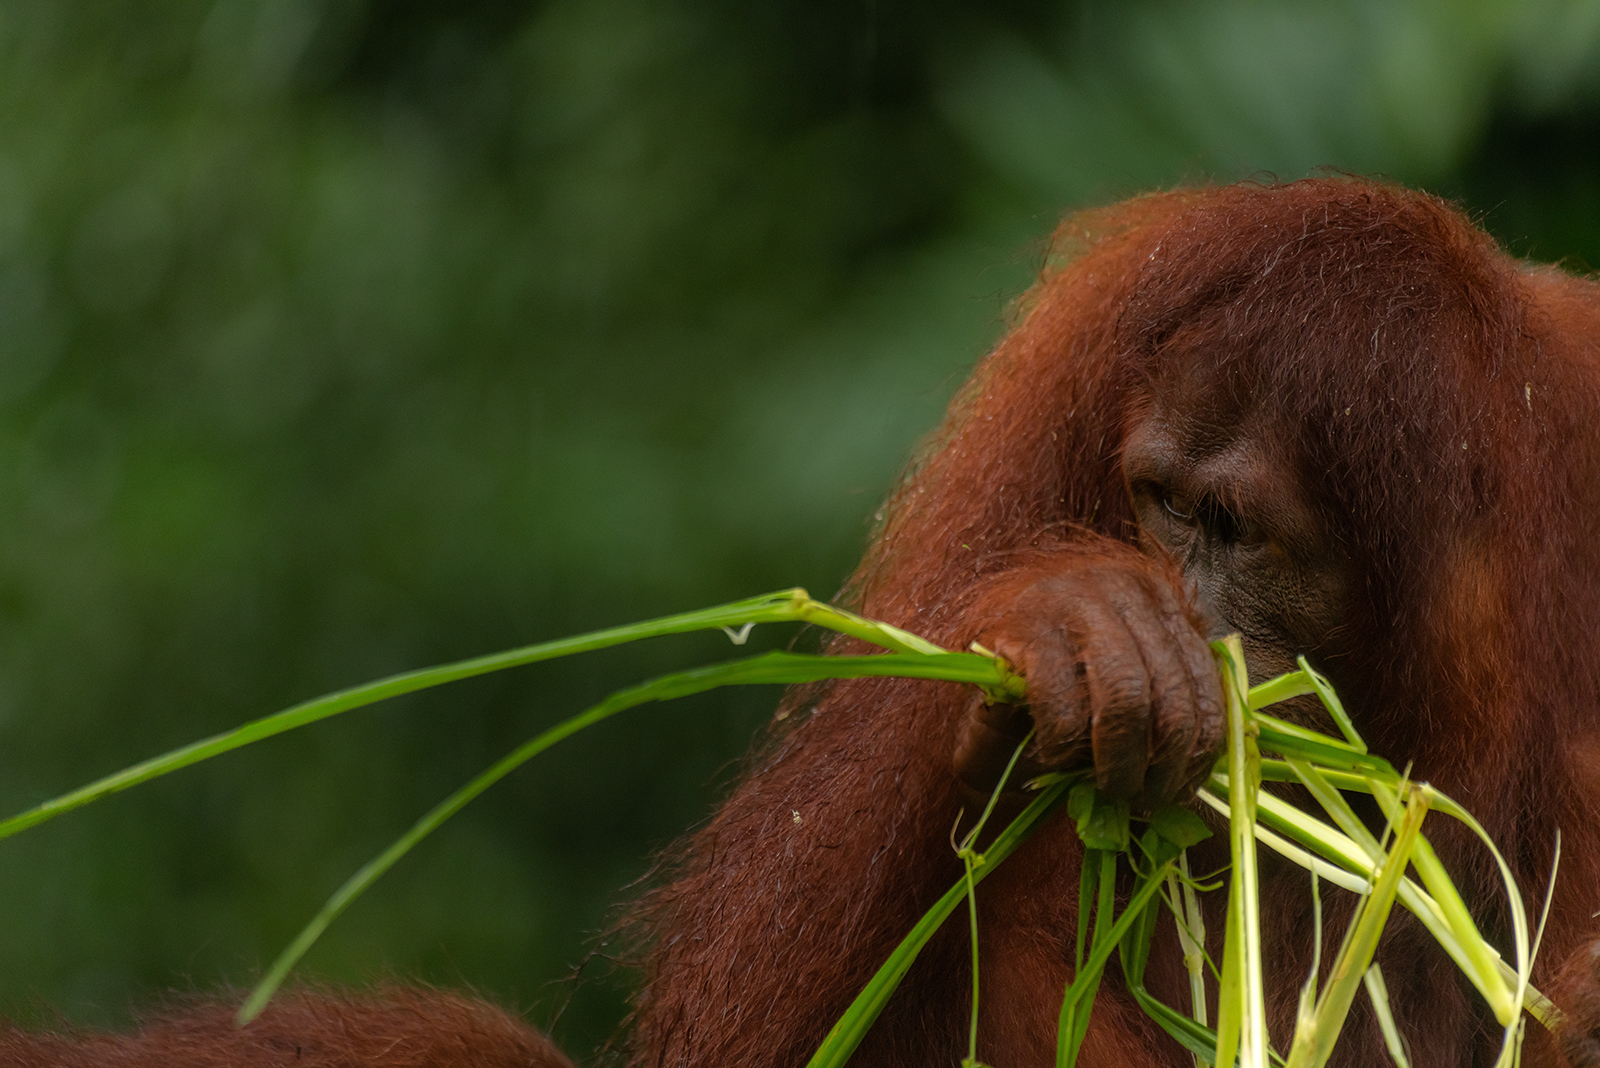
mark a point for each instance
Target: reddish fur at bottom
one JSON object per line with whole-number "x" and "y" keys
{"x": 396, "y": 1029}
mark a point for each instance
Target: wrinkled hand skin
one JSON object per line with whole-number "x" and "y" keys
{"x": 1119, "y": 676}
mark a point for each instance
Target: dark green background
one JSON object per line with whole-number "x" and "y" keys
{"x": 339, "y": 337}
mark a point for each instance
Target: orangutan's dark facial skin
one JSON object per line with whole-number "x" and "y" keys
{"x": 1236, "y": 520}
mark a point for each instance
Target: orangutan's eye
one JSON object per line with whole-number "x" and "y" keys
{"x": 1178, "y": 506}
{"x": 1214, "y": 521}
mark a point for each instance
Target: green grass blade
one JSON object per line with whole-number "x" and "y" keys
{"x": 1423, "y": 905}
{"x": 1378, "y": 992}
{"x": 1087, "y": 980}
{"x": 1313, "y": 1044}
{"x": 1191, "y": 1034}
{"x": 1446, "y": 916}
{"x": 1241, "y": 1015}
{"x": 1073, "y": 1022}
{"x": 1304, "y": 681}
{"x": 847, "y": 1033}
{"x": 1088, "y": 883}
{"x": 969, "y": 855}
{"x": 774, "y": 667}
{"x": 1191, "y": 938}
{"x": 1485, "y": 973}
{"x": 1308, "y": 990}
{"x": 972, "y": 916}
{"x": 1516, "y": 978}
{"x": 1331, "y": 702}
{"x": 1135, "y": 948}
{"x": 786, "y": 605}
{"x": 1330, "y": 753}
{"x": 1334, "y": 804}
{"x": 1290, "y": 684}
{"x": 1348, "y": 866}
{"x": 1295, "y": 730}
{"x": 838, "y": 619}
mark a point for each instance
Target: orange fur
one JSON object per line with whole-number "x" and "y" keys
{"x": 1439, "y": 401}
{"x": 398, "y": 1029}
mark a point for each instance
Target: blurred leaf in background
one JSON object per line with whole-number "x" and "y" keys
{"x": 344, "y": 336}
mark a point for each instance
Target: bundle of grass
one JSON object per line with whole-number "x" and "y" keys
{"x": 1336, "y": 847}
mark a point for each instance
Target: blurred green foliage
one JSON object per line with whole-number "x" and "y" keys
{"x": 343, "y": 336}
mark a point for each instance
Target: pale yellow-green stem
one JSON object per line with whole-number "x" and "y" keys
{"x": 1316, "y": 1033}
{"x": 1378, "y": 992}
{"x": 1481, "y": 959}
{"x": 1241, "y": 1010}
{"x": 1191, "y": 924}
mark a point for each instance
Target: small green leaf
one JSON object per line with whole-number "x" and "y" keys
{"x": 1156, "y": 848}
{"x": 1102, "y": 822}
{"x": 1180, "y": 826}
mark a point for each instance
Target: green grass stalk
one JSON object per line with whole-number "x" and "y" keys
{"x": 1315, "y": 1036}
{"x": 1191, "y": 923}
{"x": 847, "y": 1033}
{"x": 774, "y": 667}
{"x": 1241, "y": 1010}
{"x": 1079, "y": 998}
{"x": 785, "y": 606}
{"x": 1378, "y": 993}
{"x": 970, "y": 857}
